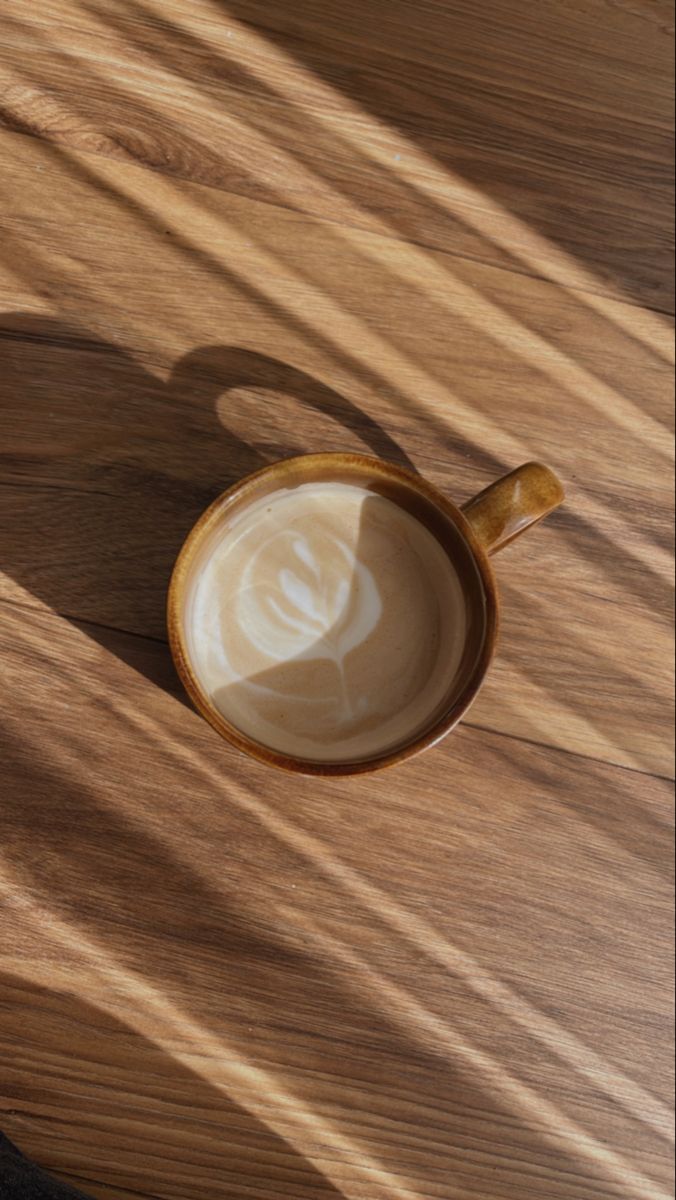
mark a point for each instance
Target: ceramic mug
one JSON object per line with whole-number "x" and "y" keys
{"x": 469, "y": 535}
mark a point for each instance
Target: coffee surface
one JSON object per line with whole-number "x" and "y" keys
{"x": 326, "y": 622}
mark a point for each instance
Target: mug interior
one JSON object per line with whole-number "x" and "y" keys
{"x": 417, "y": 498}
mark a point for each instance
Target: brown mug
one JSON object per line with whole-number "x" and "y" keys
{"x": 468, "y": 535}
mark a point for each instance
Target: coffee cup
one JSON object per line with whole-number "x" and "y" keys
{"x": 334, "y": 614}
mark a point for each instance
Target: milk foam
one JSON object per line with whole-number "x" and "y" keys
{"x": 326, "y": 622}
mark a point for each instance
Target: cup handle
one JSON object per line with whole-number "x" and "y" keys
{"x": 511, "y": 505}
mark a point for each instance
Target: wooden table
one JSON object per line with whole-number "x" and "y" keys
{"x": 233, "y": 232}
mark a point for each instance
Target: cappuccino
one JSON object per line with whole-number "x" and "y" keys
{"x": 326, "y": 622}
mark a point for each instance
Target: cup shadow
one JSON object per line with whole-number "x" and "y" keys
{"x": 109, "y": 466}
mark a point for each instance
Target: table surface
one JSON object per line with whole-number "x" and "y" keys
{"x": 438, "y": 233}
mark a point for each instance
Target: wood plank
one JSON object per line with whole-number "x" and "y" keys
{"x": 216, "y": 985}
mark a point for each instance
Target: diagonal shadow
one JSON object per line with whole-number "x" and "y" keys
{"x": 261, "y": 986}
{"x": 400, "y": 208}
{"x": 497, "y": 142}
{"x": 187, "y": 1128}
{"x": 414, "y": 74}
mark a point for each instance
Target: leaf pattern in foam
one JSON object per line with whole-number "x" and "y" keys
{"x": 306, "y": 612}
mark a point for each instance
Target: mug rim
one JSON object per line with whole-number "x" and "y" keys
{"x": 277, "y": 758}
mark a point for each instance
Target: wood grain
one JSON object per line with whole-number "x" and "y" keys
{"x": 229, "y": 234}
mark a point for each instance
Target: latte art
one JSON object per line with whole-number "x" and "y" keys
{"x": 326, "y": 622}
{"x": 309, "y": 611}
